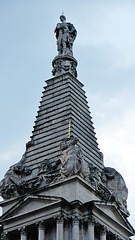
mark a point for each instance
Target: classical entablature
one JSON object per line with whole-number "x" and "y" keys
{"x": 58, "y": 215}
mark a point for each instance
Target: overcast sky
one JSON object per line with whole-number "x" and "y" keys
{"x": 105, "y": 51}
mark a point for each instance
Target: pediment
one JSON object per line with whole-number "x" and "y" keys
{"x": 30, "y": 204}
{"x": 112, "y": 213}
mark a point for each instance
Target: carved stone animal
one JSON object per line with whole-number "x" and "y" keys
{"x": 116, "y": 184}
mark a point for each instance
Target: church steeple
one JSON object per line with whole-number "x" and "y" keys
{"x": 63, "y": 100}
{"x": 60, "y": 188}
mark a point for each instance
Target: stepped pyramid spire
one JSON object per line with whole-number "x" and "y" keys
{"x": 61, "y": 179}
{"x": 63, "y": 105}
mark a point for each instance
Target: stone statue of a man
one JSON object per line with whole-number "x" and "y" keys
{"x": 65, "y": 34}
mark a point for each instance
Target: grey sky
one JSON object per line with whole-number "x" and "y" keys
{"x": 105, "y": 50}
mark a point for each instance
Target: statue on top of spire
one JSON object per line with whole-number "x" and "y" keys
{"x": 64, "y": 62}
{"x": 65, "y": 34}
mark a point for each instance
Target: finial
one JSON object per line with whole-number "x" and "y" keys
{"x": 69, "y": 129}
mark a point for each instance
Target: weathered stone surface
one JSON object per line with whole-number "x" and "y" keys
{"x": 64, "y": 116}
{"x": 64, "y": 64}
{"x": 65, "y": 34}
{"x": 63, "y": 99}
{"x": 72, "y": 160}
{"x": 115, "y": 183}
{"x": 13, "y": 183}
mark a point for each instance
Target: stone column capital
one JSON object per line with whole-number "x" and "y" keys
{"x": 59, "y": 226}
{"x": 41, "y": 225}
{"x": 76, "y": 219}
{"x": 103, "y": 229}
{"x": 4, "y": 236}
{"x": 60, "y": 218}
{"x": 66, "y": 222}
{"x": 91, "y": 220}
{"x": 117, "y": 237}
{"x": 91, "y": 226}
{"x": 75, "y": 226}
{"x": 23, "y": 231}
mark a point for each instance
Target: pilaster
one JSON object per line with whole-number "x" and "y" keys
{"x": 103, "y": 233}
{"x": 91, "y": 223}
{"x": 66, "y": 234}
{"x": 59, "y": 227}
{"x": 23, "y": 234}
{"x": 75, "y": 230}
{"x": 82, "y": 230}
{"x": 41, "y": 231}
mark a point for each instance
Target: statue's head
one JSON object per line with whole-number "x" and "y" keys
{"x": 67, "y": 142}
{"x": 62, "y": 18}
{"x": 72, "y": 141}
